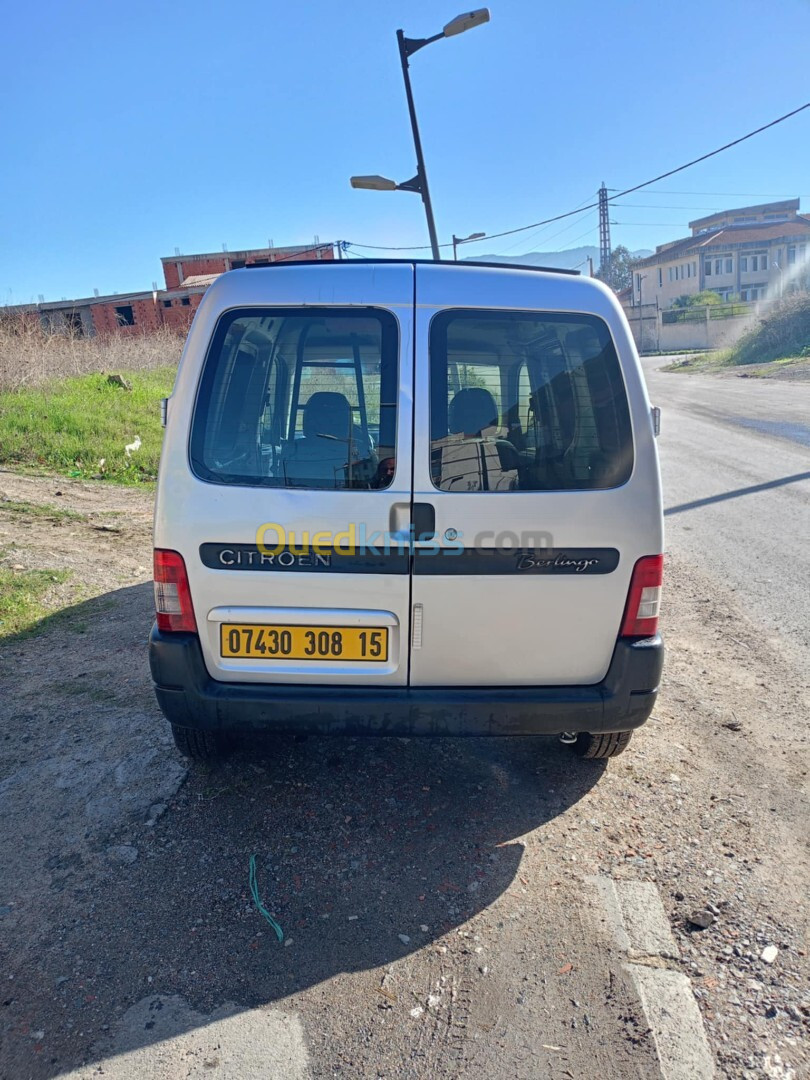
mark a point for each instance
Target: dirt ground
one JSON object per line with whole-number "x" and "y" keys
{"x": 437, "y": 896}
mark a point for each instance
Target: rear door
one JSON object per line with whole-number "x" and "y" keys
{"x": 300, "y": 445}
{"x": 535, "y": 468}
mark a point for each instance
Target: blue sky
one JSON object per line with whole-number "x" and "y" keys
{"x": 129, "y": 130}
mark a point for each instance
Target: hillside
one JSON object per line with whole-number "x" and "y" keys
{"x": 571, "y": 259}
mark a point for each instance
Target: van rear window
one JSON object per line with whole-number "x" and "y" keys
{"x": 526, "y": 402}
{"x": 298, "y": 400}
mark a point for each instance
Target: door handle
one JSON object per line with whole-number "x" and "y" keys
{"x": 423, "y": 519}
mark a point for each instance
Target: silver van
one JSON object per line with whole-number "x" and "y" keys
{"x": 402, "y": 498}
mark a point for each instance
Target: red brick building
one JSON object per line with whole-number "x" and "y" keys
{"x": 186, "y": 279}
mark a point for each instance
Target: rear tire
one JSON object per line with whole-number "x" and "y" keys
{"x": 610, "y": 744}
{"x": 197, "y": 744}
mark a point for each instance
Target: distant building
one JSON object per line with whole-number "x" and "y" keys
{"x": 741, "y": 254}
{"x": 186, "y": 277}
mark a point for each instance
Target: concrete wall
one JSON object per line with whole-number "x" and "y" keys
{"x": 644, "y": 324}
{"x": 75, "y": 320}
{"x": 706, "y": 333}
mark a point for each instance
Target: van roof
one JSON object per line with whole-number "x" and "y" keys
{"x": 412, "y": 262}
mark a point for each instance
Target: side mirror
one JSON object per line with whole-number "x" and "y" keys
{"x": 164, "y": 411}
{"x": 656, "y": 420}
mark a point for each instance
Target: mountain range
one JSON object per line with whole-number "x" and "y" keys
{"x": 571, "y": 259}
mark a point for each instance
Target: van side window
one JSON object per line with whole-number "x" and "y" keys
{"x": 526, "y": 402}
{"x": 292, "y": 400}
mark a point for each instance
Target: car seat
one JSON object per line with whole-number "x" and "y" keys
{"x": 321, "y": 456}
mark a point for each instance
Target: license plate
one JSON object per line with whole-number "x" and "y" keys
{"x": 257, "y": 641}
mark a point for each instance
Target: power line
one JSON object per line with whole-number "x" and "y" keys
{"x": 588, "y": 231}
{"x": 670, "y": 172}
{"x": 731, "y": 194}
{"x": 612, "y": 198}
{"x": 644, "y": 224}
{"x": 299, "y": 253}
{"x": 535, "y": 237}
{"x": 580, "y": 206}
{"x": 662, "y": 206}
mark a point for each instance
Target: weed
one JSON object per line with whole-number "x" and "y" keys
{"x": 23, "y": 598}
{"x": 44, "y": 510}
{"x": 31, "y": 356}
{"x": 82, "y": 426}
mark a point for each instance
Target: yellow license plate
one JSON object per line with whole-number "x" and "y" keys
{"x": 258, "y": 641}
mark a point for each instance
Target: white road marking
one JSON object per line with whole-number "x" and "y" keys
{"x": 642, "y": 930}
{"x": 163, "y": 1038}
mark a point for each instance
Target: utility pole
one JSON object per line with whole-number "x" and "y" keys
{"x": 604, "y": 235}
{"x": 590, "y": 265}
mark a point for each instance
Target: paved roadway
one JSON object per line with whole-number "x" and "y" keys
{"x": 735, "y": 459}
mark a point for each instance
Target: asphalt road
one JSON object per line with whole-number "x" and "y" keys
{"x": 450, "y": 908}
{"x": 735, "y": 458}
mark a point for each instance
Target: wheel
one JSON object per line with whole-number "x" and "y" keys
{"x": 610, "y": 744}
{"x": 197, "y": 744}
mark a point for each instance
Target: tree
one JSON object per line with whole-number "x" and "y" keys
{"x": 701, "y": 299}
{"x": 620, "y": 275}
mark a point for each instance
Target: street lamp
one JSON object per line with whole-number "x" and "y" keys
{"x": 640, "y": 278}
{"x": 463, "y": 240}
{"x": 419, "y": 183}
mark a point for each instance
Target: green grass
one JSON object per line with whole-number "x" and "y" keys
{"x": 79, "y": 426}
{"x": 784, "y": 334}
{"x": 721, "y": 358}
{"x": 21, "y": 595}
{"x": 782, "y": 338}
{"x": 45, "y": 511}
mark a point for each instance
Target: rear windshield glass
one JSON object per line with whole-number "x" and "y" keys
{"x": 298, "y": 400}
{"x": 526, "y": 402}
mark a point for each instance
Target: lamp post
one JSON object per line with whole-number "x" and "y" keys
{"x": 640, "y": 277}
{"x": 419, "y": 183}
{"x": 463, "y": 240}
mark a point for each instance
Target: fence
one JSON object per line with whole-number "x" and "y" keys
{"x": 715, "y": 326}
{"x": 710, "y": 311}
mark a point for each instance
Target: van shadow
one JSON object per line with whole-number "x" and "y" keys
{"x": 366, "y": 850}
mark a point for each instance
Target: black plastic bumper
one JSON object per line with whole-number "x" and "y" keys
{"x": 189, "y": 697}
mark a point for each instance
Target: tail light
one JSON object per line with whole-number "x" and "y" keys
{"x": 644, "y": 598}
{"x": 173, "y": 605}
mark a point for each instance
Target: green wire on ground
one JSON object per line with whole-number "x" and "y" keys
{"x": 254, "y": 892}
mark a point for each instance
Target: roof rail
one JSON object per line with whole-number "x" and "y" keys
{"x": 412, "y": 262}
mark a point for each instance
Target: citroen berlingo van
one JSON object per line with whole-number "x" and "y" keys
{"x": 408, "y": 498}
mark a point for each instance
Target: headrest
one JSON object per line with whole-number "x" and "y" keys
{"x": 472, "y": 410}
{"x": 328, "y": 413}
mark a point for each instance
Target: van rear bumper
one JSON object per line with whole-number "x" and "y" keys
{"x": 189, "y": 697}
